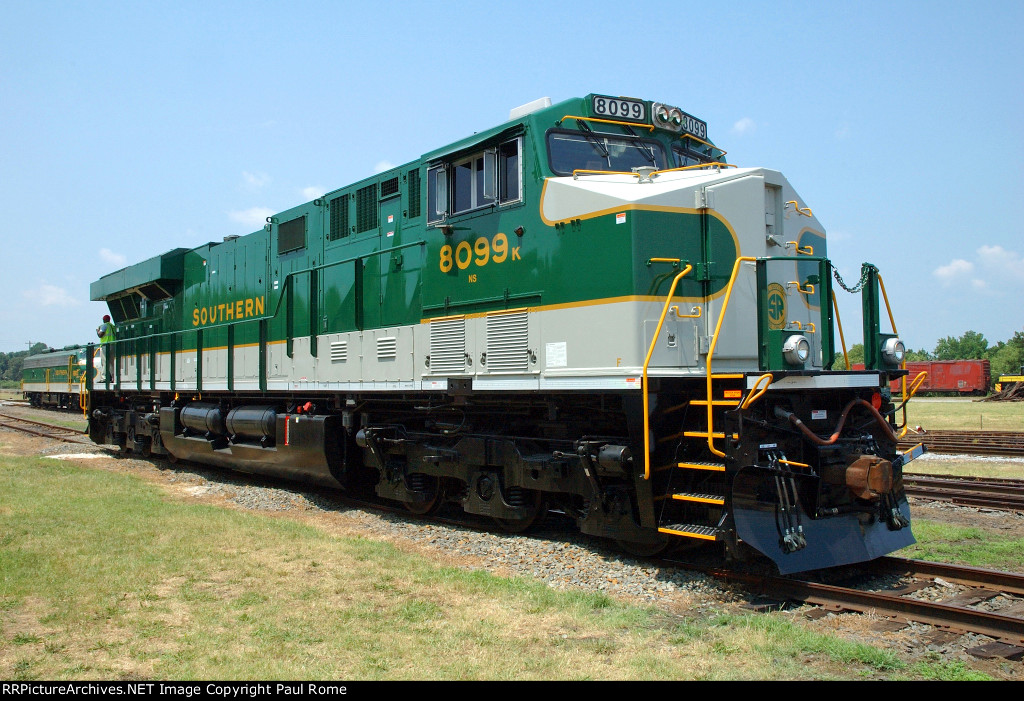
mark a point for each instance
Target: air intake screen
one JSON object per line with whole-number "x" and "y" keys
{"x": 389, "y": 188}
{"x": 291, "y": 236}
{"x": 414, "y": 193}
{"x": 366, "y": 208}
{"x": 339, "y": 218}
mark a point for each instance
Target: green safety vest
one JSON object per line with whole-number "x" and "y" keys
{"x": 108, "y": 333}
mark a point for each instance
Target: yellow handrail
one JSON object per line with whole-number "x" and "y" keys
{"x": 700, "y": 140}
{"x": 808, "y": 290}
{"x": 647, "y": 361}
{"x": 806, "y": 211}
{"x": 881, "y": 286}
{"x": 903, "y": 364}
{"x": 695, "y": 313}
{"x": 605, "y": 121}
{"x": 918, "y": 381}
{"x": 806, "y": 250}
{"x": 714, "y": 342}
{"x": 755, "y": 393}
{"x": 839, "y": 323}
{"x": 698, "y": 166}
{"x": 578, "y": 171}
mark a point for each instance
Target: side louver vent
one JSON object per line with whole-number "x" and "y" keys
{"x": 507, "y": 343}
{"x": 339, "y": 351}
{"x": 387, "y": 348}
{"x": 448, "y": 346}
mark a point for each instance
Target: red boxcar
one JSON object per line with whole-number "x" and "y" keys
{"x": 947, "y": 376}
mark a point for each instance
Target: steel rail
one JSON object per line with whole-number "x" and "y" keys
{"x": 1007, "y": 629}
{"x": 71, "y": 435}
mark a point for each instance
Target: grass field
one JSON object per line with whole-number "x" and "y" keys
{"x": 102, "y": 576}
{"x": 936, "y": 414}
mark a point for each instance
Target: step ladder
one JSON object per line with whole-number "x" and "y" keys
{"x": 694, "y": 503}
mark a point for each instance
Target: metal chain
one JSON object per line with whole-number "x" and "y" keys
{"x": 865, "y": 271}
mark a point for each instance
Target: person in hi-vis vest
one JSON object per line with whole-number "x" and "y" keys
{"x": 105, "y": 331}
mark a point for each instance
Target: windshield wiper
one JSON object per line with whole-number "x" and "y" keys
{"x": 644, "y": 150}
{"x": 588, "y": 134}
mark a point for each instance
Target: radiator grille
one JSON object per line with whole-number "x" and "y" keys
{"x": 366, "y": 208}
{"x": 448, "y": 346}
{"x": 339, "y": 351}
{"x": 387, "y": 348}
{"x": 507, "y": 343}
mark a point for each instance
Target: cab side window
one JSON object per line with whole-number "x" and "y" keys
{"x": 484, "y": 179}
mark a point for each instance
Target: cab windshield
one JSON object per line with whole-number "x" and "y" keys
{"x": 569, "y": 151}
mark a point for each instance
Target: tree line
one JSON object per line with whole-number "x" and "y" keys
{"x": 10, "y": 363}
{"x": 1005, "y": 358}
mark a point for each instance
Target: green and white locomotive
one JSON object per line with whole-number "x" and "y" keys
{"x": 584, "y": 309}
{"x": 54, "y": 378}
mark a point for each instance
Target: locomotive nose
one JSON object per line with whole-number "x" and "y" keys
{"x": 868, "y": 477}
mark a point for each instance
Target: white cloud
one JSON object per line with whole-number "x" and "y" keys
{"x": 254, "y": 216}
{"x": 108, "y": 256}
{"x": 312, "y": 192}
{"x": 255, "y": 180}
{"x": 744, "y": 126}
{"x": 382, "y": 166}
{"x": 957, "y": 268}
{"x": 998, "y": 260}
{"x": 47, "y": 295}
{"x": 993, "y": 269}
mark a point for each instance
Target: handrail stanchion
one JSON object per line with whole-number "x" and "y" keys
{"x": 714, "y": 341}
{"x": 647, "y": 361}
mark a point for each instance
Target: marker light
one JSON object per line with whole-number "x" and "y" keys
{"x": 893, "y": 351}
{"x": 796, "y": 350}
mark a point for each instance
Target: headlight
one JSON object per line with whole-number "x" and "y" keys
{"x": 893, "y": 351}
{"x": 796, "y": 350}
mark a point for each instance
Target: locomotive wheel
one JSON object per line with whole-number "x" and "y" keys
{"x": 430, "y": 486}
{"x": 537, "y": 508}
{"x": 643, "y": 549}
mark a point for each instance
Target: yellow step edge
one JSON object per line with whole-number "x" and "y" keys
{"x": 704, "y": 434}
{"x": 728, "y": 376}
{"x": 715, "y": 402}
{"x": 695, "y": 466}
{"x": 702, "y": 500}
{"x": 687, "y": 535}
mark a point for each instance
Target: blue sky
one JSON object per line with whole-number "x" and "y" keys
{"x": 130, "y": 128}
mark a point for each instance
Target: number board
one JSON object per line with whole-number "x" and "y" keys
{"x": 622, "y": 108}
{"x": 697, "y": 127}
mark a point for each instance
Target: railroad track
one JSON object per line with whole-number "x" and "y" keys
{"x": 1008, "y": 443}
{"x": 45, "y": 430}
{"x": 988, "y": 492}
{"x": 953, "y": 599}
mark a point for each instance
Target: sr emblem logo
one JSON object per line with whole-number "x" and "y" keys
{"x": 776, "y": 306}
